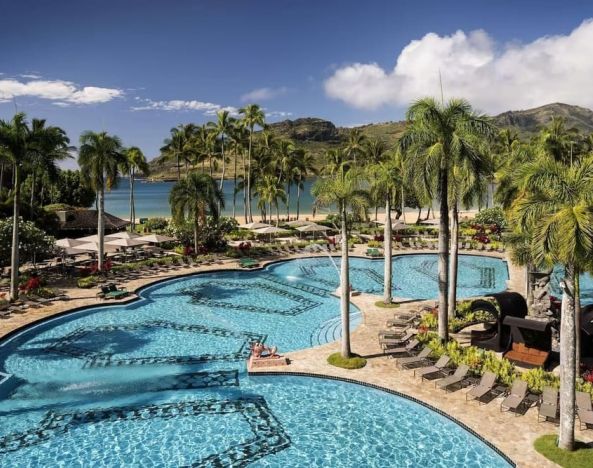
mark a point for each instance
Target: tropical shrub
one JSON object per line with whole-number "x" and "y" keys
{"x": 537, "y": 379}
{"x": 87, "y": 282}
{"x": 491, "y": 216}
{"x": 374, "y": 243}
{"x": 34, "y": 244}
{"x": 156, "y": 224}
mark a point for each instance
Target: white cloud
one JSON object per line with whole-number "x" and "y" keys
{"x": 263, "y": 94}
{"x": 280, "y": 114}
{"x": 57, "y": 90}
{"x": 492, "y": 77}
{"x": 208, "y": 108}
{"x": 31, "y": 76}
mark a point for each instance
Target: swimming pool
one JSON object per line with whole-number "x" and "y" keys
{"x": 162, "y": 382}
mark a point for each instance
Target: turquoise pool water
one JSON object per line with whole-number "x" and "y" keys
{"x": 162, "y": 382}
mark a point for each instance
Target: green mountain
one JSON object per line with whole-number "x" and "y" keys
{"x": 318, "y": 135}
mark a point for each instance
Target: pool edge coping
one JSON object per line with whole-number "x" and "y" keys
{"x": 392, "y": 392}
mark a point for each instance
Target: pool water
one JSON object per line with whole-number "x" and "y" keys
{"x": 162, "y": 382}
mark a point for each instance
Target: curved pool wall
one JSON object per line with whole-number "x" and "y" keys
{"x": 162, "y": 381}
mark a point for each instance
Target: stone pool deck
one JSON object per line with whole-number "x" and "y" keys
{"x": 514, "y": 435}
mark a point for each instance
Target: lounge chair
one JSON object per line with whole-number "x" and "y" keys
{"x": 414, "y": 361}
{"x": 248, "y": 263}
{"x": 516, "y": 397}
{"x": 584, "y": 410}
{"x": 394, "y": 333}
{"x": 438, "y": 367}
{"x": 407, "y": 349}
{"x": 402, "y": 320}
{"x": 112, "y": 292}
{"x": 456, "y": 379}
{"x": 373, "y": 252}
{"x": 387, "y": 343}
{"x": 548, "y": 407}
{"x": 485, "y": 386}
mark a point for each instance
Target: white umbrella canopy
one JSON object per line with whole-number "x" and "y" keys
{"x": 299, "y": 222}
{"x": 92, "y": 238}
{"x": 312, "y": 228}
{"x": 123, "y": 235}
{"x": 67, "y": 242}
{"x": 68, "y": 251}
{"x": 255, "y": 225}
{"x": 123, "y": 242}
{"x": 94, "y": 247}
{"x": 269, "y": 230}
{"x": 155, "y": 238}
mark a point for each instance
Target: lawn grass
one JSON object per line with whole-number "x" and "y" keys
{"x": 581, "y": 457}
{"x": 355, "y": 362}
{"x": 382, "y": 305}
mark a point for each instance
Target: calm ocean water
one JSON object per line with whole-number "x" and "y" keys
{"x": 152, "y": 199}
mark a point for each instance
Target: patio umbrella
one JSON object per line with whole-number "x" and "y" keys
{"x": 123, "y": 235}
{"x": 155, "y": 238}
{"x": 299, "y": 222}
{"x": 69, "y": 251}
{"x": 123, "y": 242}
{"x": 255, "y": 225}
{"x": 269, "y": 230}
{"x": 67, "y": 242}
{"x": 313, "y": 228}
{"x": 94, "y": 247}
{"x": 92, "y": 238}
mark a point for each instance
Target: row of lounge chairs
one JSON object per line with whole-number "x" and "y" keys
{"x": 433, "y": 245}
{"x": 517, "y": 399}
{"x": 26, "y": 303}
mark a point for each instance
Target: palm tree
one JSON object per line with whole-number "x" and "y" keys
{"x": 180, "y": 146}
{"x": 100, "y": 157}
{"x": 134, "y": 162}
{"x": 356, "y": 144}
{"x": 385, "y": 177}
{"x": 270, "y": 191}
{"x": 343, "y": 188}
{"x": 16, "y": 140}
{"x": 237, "y": 136}
{"x": 252, "y": 115}
{"x": 304, "y": 166}
{"x": 556, "y": 205}
{"x": 194, "y": 198}
{"x": 222, "y": 128}
{"x": 284, "y": 156}
{"x": 437, "y": 136}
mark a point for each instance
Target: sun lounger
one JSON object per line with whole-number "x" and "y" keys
{"x": 112, "y": 292}
{"x": 439, "y": 366}
{"x": 516, "y": 396}
{"x": 584, "y": 410}
{"x": 407, "y": 349}
{"x": 373, "y": 252}
{"x": 387, "y": 343}
{"x": 456, "y": 379}
{"x": 483, "y": 388}
{"x": 548, "y": 408}
{"x": 248, "y": 263}
{"x": 402, "y": 320}
{"x": 394, "y": 333}
{"x": 414, "y": 361}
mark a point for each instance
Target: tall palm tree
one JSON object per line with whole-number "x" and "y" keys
{"x": 253, "y": 116}
{"x": 180, "y": 146}
{"x": 304, "y": 167}
{"x": 194, "y": 198}
{"x": 100, "y": 157}
{"x": 222, "y": 128}
{"x": 284, "y": 156}
{"x": 436, "y": 136}
{"x": 385, "y": 178}
{"x": 237, "y": 136}
{"x": 343, "y": 189}
{"x": 134, "y": 162}
{"x": 355, "y": 147}
{"x": 556, "y": 205}
{"x": 270, "y": 191}
{"x": 16, "y": 141}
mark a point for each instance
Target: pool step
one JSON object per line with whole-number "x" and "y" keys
{"x": 300, "y": 286}
{"x": 331, "y": 330}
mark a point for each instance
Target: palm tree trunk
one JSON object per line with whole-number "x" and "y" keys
{"x": 345, "y": 288}
{"x": 235, "y": 185}
{"x": 419, "y": 215}
{"x": 298, "y": 205}
{"x": 567, "y": 361}
{"x": 529, "y": 286}
{"x": 249, "y": 176}
{"x": 223, "y": 162}
{"x": 101, "y": 226}
{"x": 32, "y": 190}
{"x": 1, "y": 176}
{"x": 14, "y": 257}
{"x": 178, "y": 169}
{"x": 131, "y": 201}
{"x": 387, "y": 252}
{"x": 196, "y": 222}
{"x": 453, "y": 260}
{"x": 443, "y": 257}
{"x": 288, "y": 201}
{"x": 577, "y": 325}
{"x": 277, "y": 213}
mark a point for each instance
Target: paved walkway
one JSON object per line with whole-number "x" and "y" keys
{"x": 514, "y": 435}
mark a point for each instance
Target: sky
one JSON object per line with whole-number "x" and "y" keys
{"x": 138, "y": 68}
